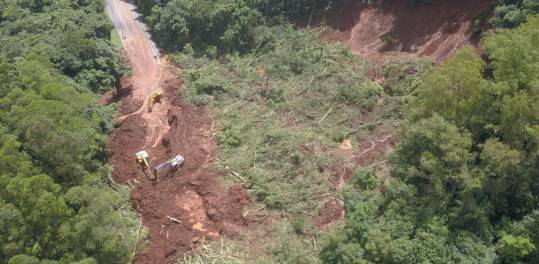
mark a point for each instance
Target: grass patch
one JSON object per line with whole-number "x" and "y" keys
{"x": 115, "y": 39}
{"x": 282, "y": 112}
{"x": 275, "y": 243}
{"x": 217, "y": 252}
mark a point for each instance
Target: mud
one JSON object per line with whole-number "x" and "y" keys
{"x": 191, "y": 204}
{"x": 435, "y": 30}
{"x": 186, "y": 206}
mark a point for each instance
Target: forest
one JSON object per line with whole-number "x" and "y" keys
{"x": 57, "y": 204}
{"x": 458, "y": 187}
{"x": 462, "y": 186}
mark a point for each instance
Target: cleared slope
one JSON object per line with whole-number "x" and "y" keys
{"x": 436, "y": 30}
{"x": 193, "y": 195}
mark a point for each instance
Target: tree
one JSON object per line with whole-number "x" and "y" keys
{"x": 74, "y": 35}
{"x": 211, "y": 27}
{"x": 511, "y": 13}
{"x": 295, "y": 8}
{"x": 513, "y": 249}
{"x": 463, "y": 187}
{"x": 54, "y": 207}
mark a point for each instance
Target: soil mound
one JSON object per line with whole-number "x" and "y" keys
{"x": 436, "y": 30}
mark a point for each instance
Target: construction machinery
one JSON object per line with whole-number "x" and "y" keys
{"x": 155, "y": 97}
{"x": 142, "y": 160}
{"x": 169, "y": 165}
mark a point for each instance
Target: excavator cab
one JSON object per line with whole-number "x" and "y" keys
{"x": 155, "y": 97}
{"x": 142, "y": 160}
{"x": 169, "y": 165}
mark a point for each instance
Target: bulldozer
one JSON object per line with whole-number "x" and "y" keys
{"x": 169, "y": 165}
{"x": 155, "y": 97}
{"x": 142, "y": 160}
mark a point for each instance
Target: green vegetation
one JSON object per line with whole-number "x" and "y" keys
{"x": 283, "y": 110}
{"x": 268, "y": 8}
{"x": 115, "y": 39}
{"x": 462, "y": 185}
{"x": 510, "y": 13}
{"x": 210, "y": 27}
{"x": 217, "y": 27}
{"x": 463, "y": 188}
{"x": 55, "y": 206}
{"x": 72, "y": 35}
{"x": 297, "y": 8}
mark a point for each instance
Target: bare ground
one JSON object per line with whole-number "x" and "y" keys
{"x": 392, "y": 29}
{"x": 435, "y": 30}
{"x": 190, "y": 204}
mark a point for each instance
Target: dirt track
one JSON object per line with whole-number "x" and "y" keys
{"x": 190, "y": 204}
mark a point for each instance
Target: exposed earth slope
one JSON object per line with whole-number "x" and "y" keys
{"x": 190, "y": 204}
{"x": 187, "y": 205}
{"x": 436, "y": 30}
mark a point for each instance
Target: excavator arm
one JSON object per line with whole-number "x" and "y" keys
{"x": 142, "y": 160}
{"x": 155, "y": 97}
{"x": 144, "y": 163}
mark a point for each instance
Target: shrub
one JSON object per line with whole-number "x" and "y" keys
{"x": 364, "y": 94}
{"x": 230, "y": 136}
{"x": 299, "y": 224}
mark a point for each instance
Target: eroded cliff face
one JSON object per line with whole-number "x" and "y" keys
{"x": 435, "y": 30}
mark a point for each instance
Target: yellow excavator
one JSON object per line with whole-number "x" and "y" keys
{"x": 155, "y": 97}
{"x": 142, "y": 160}
{"x": 162, "y": 169}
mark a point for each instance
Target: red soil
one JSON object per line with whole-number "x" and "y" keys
{"x": 189, "y": 204}
{"x": 436, "y": 30}
{"x": 193, "y": 195}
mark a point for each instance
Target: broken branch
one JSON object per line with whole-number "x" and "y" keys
{"x": 236, "y": 174}
{"x": 254, "y": 211}
{"x": 174, "y": 219}
{"x": 326, "y": 115}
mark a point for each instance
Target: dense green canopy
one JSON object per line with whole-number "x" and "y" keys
{"x": 464, "y": 187}
{"x": 54, "y": 208}
{"x": 71, "y": 34}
